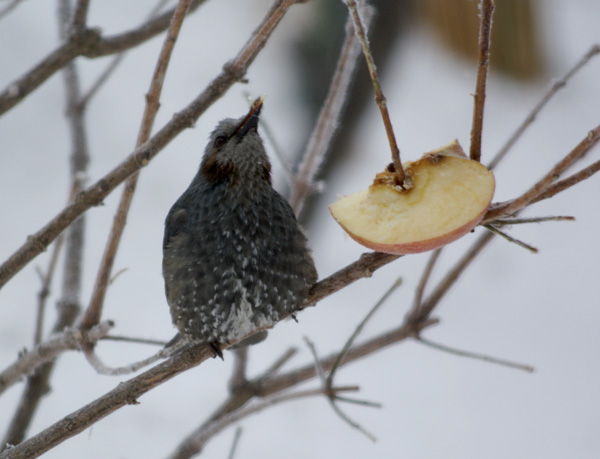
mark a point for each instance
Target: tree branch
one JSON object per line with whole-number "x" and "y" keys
{"x": 232, "y": 72}
{"x": 93, "y": 312}
{"x": 486, "y": 10}
{"x": 86, "y": 43}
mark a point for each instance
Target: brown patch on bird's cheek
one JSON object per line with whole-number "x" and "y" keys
{"x": 215, "y": 171}
{"x": 266, "y": 173}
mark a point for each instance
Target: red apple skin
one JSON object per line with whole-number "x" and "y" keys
{"x": 418, "y": 246}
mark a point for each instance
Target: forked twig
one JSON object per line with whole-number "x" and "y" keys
{"x": 359, "y": 328}
{"x": 568, "y": 182}
{"x": 232, "y": 72}
{"x": 512, "y": 206}
{"x": 425, "y": 278}
{"x": 331, "y": 395}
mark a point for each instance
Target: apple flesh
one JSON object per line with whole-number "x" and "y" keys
{"x": 446, "y": 197}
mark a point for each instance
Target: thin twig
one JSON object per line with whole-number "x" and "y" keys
{"x": 330, "y": 394}
{"x": 195, "y": 442}
{"x": 9, "y": 7}
{"x": 88, "y": 43}
{"x": 509, "y": 238}
{"x": 328, "y": 120}
{"x": 45, "y": 291}
{"x": 80, "y": 15}
{"x": 568, "y": 182}
{"x": 358, "y": 330}
{"x": 152, "y": 342}
{"x": 486, "y": 10}
{"x": 110, "y": 68}
{"x": 234, "y": 443}
{"x": 365, "y": 266}
{"x": 558, "y": 85}
{"x": 280, "y": 362}
{"x": 232, "y": 72}
{"x": 38, "y": 381}
{"x": 424, "y": 311}
{"x": 69, "y": 340}
{"x": 103, "y": 369}
{"x": 93, "y": 312}
{"x": 425, "y": 278}
{"x": 379, "y": 97}
{"x": 518, "y": 221}
{"x": 123, "y": 394}
{"x": 512, "y": 206}
{"x": 475, "y": 355}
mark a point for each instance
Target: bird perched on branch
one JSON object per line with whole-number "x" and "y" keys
{"x": 235, "y": 259}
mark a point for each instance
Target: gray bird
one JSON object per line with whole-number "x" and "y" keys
{"x": 234, "y": 257}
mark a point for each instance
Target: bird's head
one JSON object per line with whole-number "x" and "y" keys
{"x": 235, "y": 151}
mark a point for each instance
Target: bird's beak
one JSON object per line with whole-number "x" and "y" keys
{"x": 251, "y": 119}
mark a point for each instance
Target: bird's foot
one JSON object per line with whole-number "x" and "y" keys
{"x": 216, "y": 348}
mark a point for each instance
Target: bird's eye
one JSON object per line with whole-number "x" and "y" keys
{"x": 219, "y": 141}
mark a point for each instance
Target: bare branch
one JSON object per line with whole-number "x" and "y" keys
{"x": 123, "y": 394}
{"x": 103, "y": 369}
{"x": 509, "y": 238}
{"x": 38, "y": 382}
{"x": 568, "y": 182}
{"x": 16, "y": 91}
{"x": 80, "y": 15}
{"x": 558, "y": 85}
{"x": 93, "y": 312}
{"x": 423, "y": 312}
{"x": 328, "y": 120}
{"x": 508, "y": 208}
{"x": 69, "y": 340}
{"x": 7, "y": 9}
{"x": 153, "y": 342}
{"x": 45, "y": 291}
{"x": 486, "y": 10}
{"x": 110, "y": 68}
{"x": 293, "y": 377}
{"x": 194, "y": 443}
{"x": 280, "y": 362}
{"x": 232, "y": 72}
{"x": 474, "y": 355}
{"x": 330, "y": 394}
{"x": 240, "y": 362}
{"x": 518, "y": 221}
{"x": 379, "y": 97}
{"x": 358, "y": 330}
{"x": 82, "y": 43}
{"x": 425, "y": 278}
{"x": 236, "y": 439}
{"x": 365, "y": 266}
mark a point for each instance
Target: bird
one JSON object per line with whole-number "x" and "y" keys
{"x": 235, "y": 259}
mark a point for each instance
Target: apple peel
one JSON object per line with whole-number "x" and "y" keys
{"x": 447, "y": 198}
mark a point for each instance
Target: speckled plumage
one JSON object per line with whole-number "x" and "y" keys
{"x": 234, "y": 257}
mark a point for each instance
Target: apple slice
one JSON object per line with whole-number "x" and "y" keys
{"x": 447, "y": 198}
